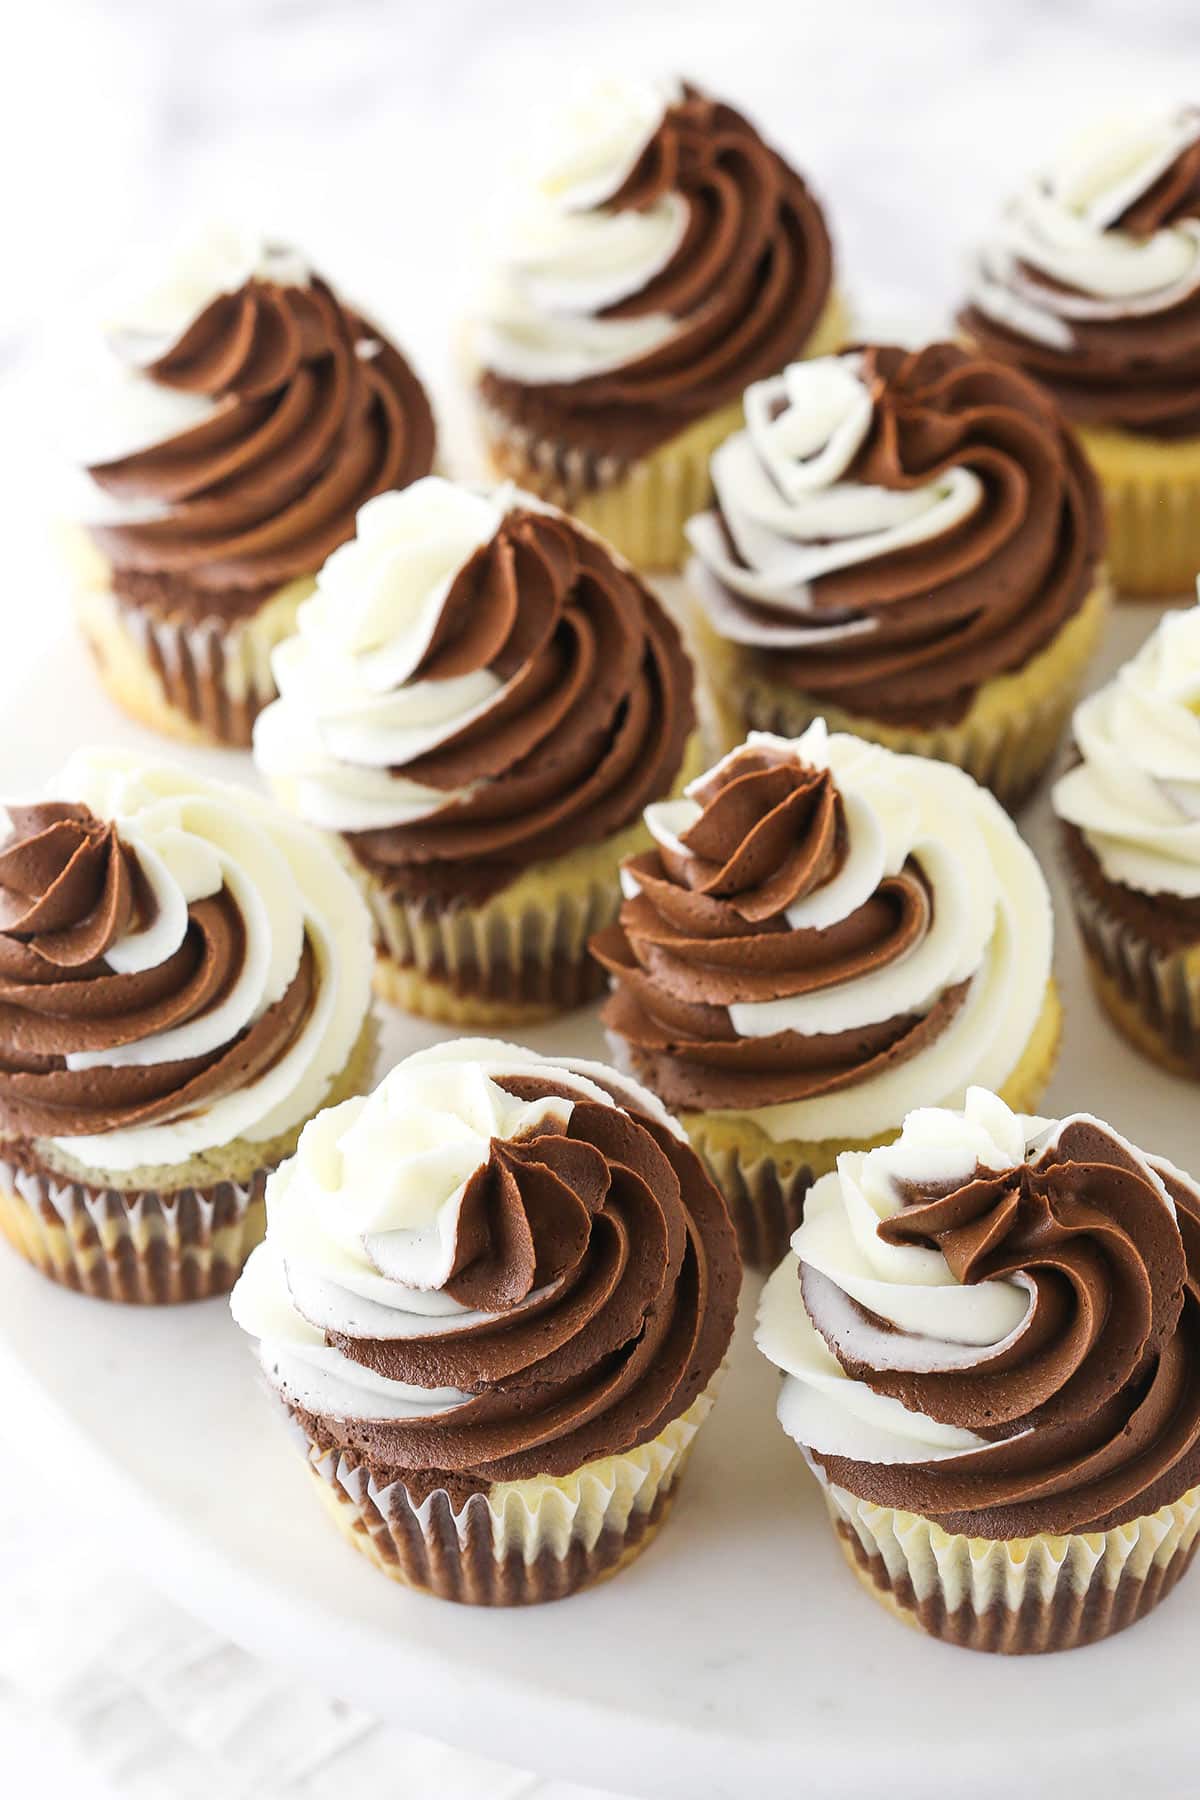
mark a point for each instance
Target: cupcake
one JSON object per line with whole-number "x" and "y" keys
{"x": 1092, "y": 284}
{"x": 246, "y": 413}
{"x": 666, "y": 258}
{"x": 825, "y": 935}
{"x": 185, "y": 978}
{"x": 482, "y": 698}
{"x": 989, "y": 1334}
{"x": 907, "y": 544}
{"x": 494, "y": 1298}
{"x": 1130, "y": 819}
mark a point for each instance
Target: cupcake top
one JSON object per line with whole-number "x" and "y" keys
{"x": 893, "y": 528}
{"x": 666, "y": 257}
{"x": 498, "y": 1265}
{"x": 826, "y": 934}
{"x": 477, "y": 685}
{"x": 1092, "y": 278}
{"x": 995, "y": 1323}
{"x": 247, "y": 414}
{"x": 1134, "y": 794}
{"x": 181, "y": 966}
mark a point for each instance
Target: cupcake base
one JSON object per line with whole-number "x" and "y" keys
{"x": 167, "y": 1235}
{"x": 1152, "y": 503}
{"x": 1007, "y": 740}
{"x": 639, "y": 508}
{"x": 521, "y": 1542}
{"x": 523, "y": 955}
{"x": 1026, "y": 1596}
{"x": 200, "y": 681}
{"x": 765, "y": 1181}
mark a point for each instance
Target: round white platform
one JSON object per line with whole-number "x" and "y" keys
{"x": 736, "y": 1659}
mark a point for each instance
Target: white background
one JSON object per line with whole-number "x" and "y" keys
{"x": 374, "y": 133}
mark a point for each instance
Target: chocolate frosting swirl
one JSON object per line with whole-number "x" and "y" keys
{"x": 1091, "y": 1414}
{"x": 313, "y": 412}
{"x": 70, "y": 889}
{"x": 908, "y": 634}
{"x": 746, "y": 284}
{"x": 706, "y": 927}
{"x": 590, "y": 722}
{"x": 1134, "y": 367}
{"x": 604, "y": 1266}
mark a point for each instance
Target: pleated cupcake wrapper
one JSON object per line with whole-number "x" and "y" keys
{"x": 1152, "y": 505}
{"x": 202, "y": 680}
{"x": 1023, "y": 1596}
{"x": 1152, "y": 995}
{"x": 639, "y": 508}
{"x": 141, "y": 1247}
{"x": 521, "y": 1542}
{"x": 1007, "y": 741}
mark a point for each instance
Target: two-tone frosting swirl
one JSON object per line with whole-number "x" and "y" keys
{"x": 825, "y": 935}
{"x": 893, "y": 528}
{"x": 995, "y": 1323}
{"x": 180, "y": 966}
{"x": 477, "y": 685}
{"x": 498, "y": 1265}
{"x": 667, "y": 258}
{"x": 1092, "y": 281}
{"x": 253, "y": 414}
{"x": 1135, "y": 792}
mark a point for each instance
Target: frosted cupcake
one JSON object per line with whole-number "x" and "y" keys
{"x": 906, "y": 543}
{"x": 185, "y": 977}
{"x": 1092, "y": 283}
{"x": 990, "y": 1338}
{"x": 245, "y": 413}
{"x": 494, "y": 1298}
{"x": 1130, "y": 812}
{"x": 825, "y": 935}
{"x": 666, "y": 258}
{"x": 482, "y": 698}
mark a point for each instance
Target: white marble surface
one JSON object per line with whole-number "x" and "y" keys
{"x": 373, "y": 131}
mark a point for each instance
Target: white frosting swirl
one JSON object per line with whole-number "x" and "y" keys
{"x": 991, "y": 926}
{"x": 1136, "y": 793}
{"x": 192, "y": 838}
{"x": 1063, "y": 229}
{"x": 348, "y": 712}
{"x": 117, "y": 409}
{"x": 362, "y": 1221}
{"x": 793, "y": 517}
{"x": 565, "y": 258}
{"x": 938, "y": 1323}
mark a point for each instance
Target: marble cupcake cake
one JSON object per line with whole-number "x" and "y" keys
{"x": 989, "y": 1334}
{"x": 825, "y": 935}
{"x": 494, "y": 1298}
{"x": 185, "y": 978}
{"x": 244, "y": 413}
{"x": 1091, "y": 282}
{"x": 908, "y": 544}
{"x": 664, "y": 258}
{"x": 1130, "y": 820}
{"x": 482, "y": 698}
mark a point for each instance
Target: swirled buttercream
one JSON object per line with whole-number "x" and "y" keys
{"x": 1092, "y": 280}
{"x": 181, "y": 965}
{"x": 893, "y": 528}
{"x": 666, "y": 258}
{"x": 825, "y": 934}
{"x": 249, "y": 413}
{"x": 477, "y": 685}
{"x": 995, "y": 1323}
{"x": 497, "y": 1265}
{"x": 1134, "y": 794}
